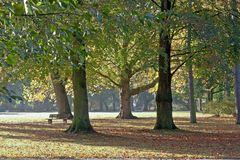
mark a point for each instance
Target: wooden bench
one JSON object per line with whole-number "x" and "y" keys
{"x": 55, "y": 116}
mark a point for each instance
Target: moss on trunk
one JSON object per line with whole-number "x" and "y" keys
{"x": 81, "y": 120}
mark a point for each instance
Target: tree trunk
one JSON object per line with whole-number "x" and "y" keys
{"x": 237, "y": 91}
{"x": 164, "y": 98}
{"x": 191, "y": 103}
{"x": 64, "y": 110}
{"x": 81, "y": 120}
{"x": 210, "y": 96}
{"x": 227, "y": 90}
{"x": 235, "y": 30}
{"x": 125, "y": 104}
{"x": 164, "y": 93}
{"x": 200, "y": 105}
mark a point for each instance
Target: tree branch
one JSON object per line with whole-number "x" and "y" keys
{"x": 178, "y": 67}
{"x": 144, "y": 87}
{"x": 156, "y": 3}
{"x": 46, "y": 14}
{"x": 107, "y": 77}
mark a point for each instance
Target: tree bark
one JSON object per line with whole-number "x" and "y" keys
{"x": 81, "y": 121}
{"x": 164, "y": 98}
{"x": 64, "y": 110}
{"x": 237, "y": 91}
{"x": 164, "y": 93}
{"x": 191, "y": 103}
{"x": 235, "y": 30}
{"x": 125, "y": 97}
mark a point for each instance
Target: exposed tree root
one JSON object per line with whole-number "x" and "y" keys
{"x": 160, "y": 127}
{"x": 80, "y": 126}
{"x": 121, "y": 116}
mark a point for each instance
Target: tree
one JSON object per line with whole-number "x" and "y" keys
{"x": 64, "y": 39}
{"x": 164, "y": 92}
{"x": 64, "y": 110}
{"x": 235, "y": 46}
{"x": 123, "y": 52}
{"x": 81, "y": 120}
{"x": 191, "y": 100}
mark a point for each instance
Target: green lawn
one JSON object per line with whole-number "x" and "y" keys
{"x": 33, "y": 138}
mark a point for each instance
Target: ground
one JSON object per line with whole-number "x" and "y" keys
{"x": 32, "y": 137}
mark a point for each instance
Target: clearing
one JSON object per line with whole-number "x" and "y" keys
{"x": 211, "y": 137}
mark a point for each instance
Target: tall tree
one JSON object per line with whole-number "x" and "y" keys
{"x": 65, "y": 39}
{"x": 123, "y": 50}
{"x": 191, "y": 100}
{"x": 235, "y": 44}
{"x": 164, "y": 92}
{"x": 81, "y": 121}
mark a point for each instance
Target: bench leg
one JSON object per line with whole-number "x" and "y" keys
{"x": 65, "y": 120}
{"x": 49, "y": 121}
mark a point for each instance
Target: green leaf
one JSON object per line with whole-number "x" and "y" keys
{"x": 19, "y": 8}
{"x": 12, "y": 59}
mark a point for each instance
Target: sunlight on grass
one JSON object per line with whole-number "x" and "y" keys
{"x": 211, "y": 138}
{"x": 27, "y": 148}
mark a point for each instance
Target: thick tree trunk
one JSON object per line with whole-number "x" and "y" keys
{"x": 237, "y": 91}
{"x": 164, "y": 99}
{"x": 164, "y": 93}
{"x": 125, "y": 104}
{"x": 235, "y": 29}
{"x": 81, "y": 120}
{"x": 64, "y": 110}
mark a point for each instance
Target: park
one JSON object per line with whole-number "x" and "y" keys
{"x": 119, "y": 79}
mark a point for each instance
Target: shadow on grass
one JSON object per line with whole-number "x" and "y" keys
{"x": 137, "y": 135}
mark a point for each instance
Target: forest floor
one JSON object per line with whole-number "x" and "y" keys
{"x": 211, "y": 137}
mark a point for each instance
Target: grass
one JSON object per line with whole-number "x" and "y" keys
{"x": 33, "y": 138}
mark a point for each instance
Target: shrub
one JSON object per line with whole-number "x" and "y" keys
{"x": 225, "y": 107}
